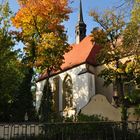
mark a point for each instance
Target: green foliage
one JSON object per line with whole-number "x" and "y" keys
{"x": 15, "y": 85}
{"x": 10, "y": 66}
{"x": 137, "y": 110}
{"x": 135, "y": 11}
{"x": 134, "y": 96}
{"x": 91, "y": 118}
{"x": 83, "y": 118}
{"x": 22, "y": 96}
{"x": 131, "y": 41}
{"x": 108, "y": 75}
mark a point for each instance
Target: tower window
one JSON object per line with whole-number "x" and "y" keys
{"x": 77, "y": 33}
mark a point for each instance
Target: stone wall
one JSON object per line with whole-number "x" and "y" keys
{"x": 99, "y": 105}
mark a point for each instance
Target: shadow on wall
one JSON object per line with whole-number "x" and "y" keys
{"x": 99, "y": 84}
{"x": 80, "y": 91}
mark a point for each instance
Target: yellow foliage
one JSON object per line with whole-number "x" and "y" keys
{"x": 41, "y": 27}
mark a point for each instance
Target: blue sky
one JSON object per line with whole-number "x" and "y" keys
{"x": 87, "y": 5}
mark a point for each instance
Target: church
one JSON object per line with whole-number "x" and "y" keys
{"x": 77, "y": 86}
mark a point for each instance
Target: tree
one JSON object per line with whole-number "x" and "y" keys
{"x": 23, "y": 98}
{"x": 10, "y": 72}
{"x": 43, "y": 34}
{"x": 45, "y": 110}
{"x": 132, "y": 41}
{"x": 118, "y": 70}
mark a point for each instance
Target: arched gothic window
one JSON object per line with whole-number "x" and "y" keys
{"x": 67, "y": 92}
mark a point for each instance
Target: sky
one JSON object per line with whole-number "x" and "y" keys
{"x": 87, "y": 5}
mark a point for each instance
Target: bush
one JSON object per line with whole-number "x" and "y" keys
{"x": 86, "y": 118}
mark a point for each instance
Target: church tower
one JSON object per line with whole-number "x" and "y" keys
{"x": 80, "y": 27}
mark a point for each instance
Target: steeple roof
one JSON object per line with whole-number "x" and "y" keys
{"x": 80, "y": 19}
{"x": 81, "y": 26}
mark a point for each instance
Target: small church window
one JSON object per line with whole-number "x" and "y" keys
{"x": 67, "y": 92}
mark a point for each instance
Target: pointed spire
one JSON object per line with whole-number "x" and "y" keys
{"x": 80, "y": 13}
{"x": 80, "y": 27}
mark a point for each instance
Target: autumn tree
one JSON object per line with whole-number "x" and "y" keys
{"x": 132, "y": 42}
{"x": 43, "y": 33}
{"x": 120, "y": 67}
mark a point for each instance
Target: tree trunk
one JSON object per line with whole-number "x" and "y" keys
{"x": 124, "y": 112}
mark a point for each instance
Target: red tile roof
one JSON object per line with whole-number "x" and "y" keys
{"x": 84, "y": 52}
